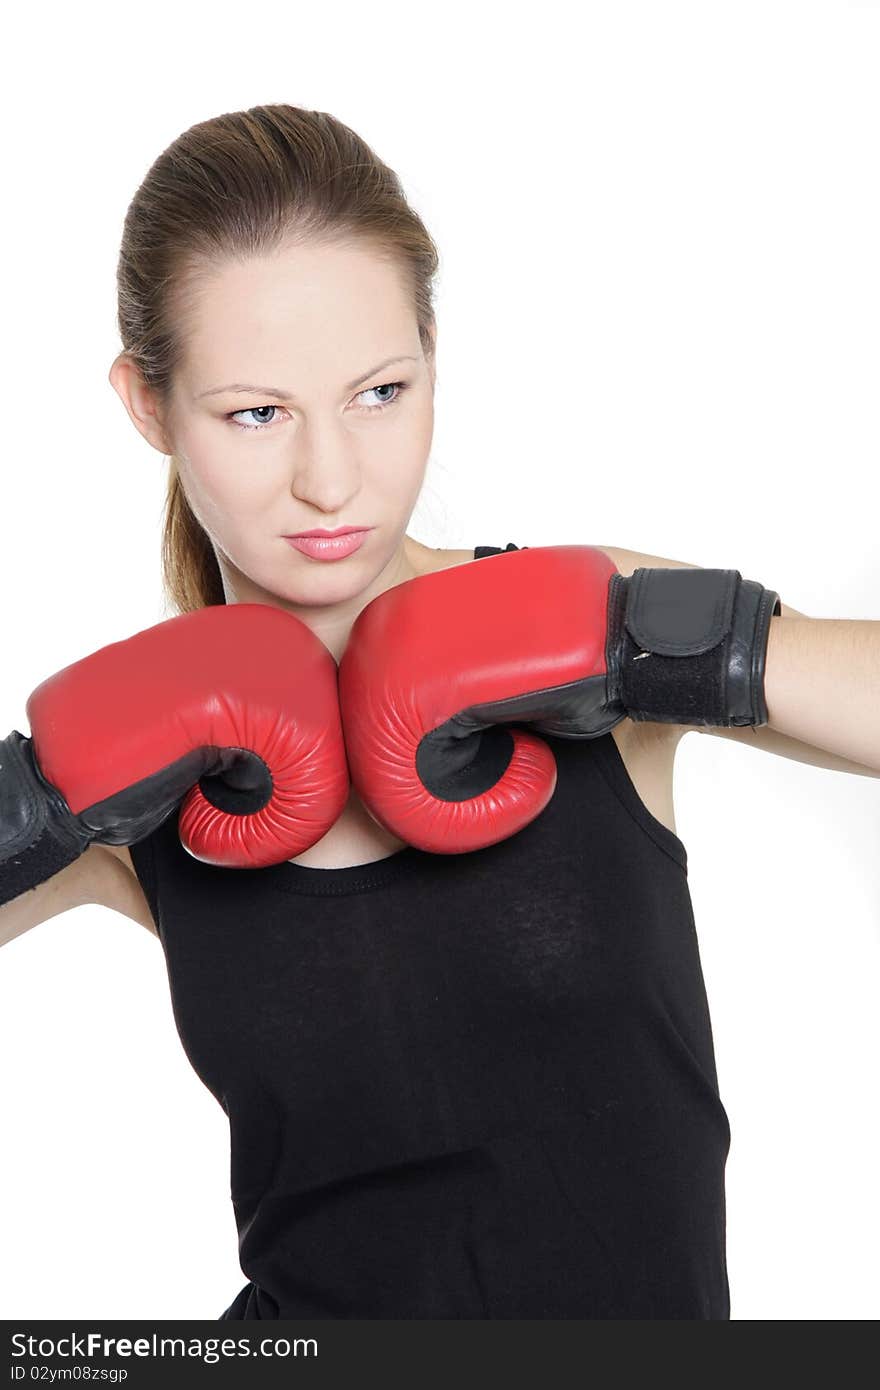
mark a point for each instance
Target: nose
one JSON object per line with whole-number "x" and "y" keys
{"x": 326, "y": 472}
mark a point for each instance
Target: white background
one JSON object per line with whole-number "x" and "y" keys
{"x": 658, "y": 329}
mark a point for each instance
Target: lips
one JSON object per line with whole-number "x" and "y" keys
{"x": 329, "y": 547}
{"x": 343, "y": 531}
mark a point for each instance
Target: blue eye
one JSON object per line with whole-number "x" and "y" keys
{"x": 254, "y": 410}
{"x": 398, "y": 386}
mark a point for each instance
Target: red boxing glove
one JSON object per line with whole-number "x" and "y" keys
{"x": 554, "y": 637}
{"x": 233, "y": 708}
{"x": 434, "y": 666}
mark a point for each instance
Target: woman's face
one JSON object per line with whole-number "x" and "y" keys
{"x": 301, "y": 446}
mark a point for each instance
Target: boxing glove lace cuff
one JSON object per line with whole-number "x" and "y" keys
{"x": 39, "y": 834}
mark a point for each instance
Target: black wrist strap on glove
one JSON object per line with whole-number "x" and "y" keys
{"x": 689, "y": 646}
{"x": 39, "y": 834}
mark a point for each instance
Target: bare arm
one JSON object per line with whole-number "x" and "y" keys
{"x": 73, "y": 886}
{"x": 765, "y": 738}
{"x": 101, "y": 875}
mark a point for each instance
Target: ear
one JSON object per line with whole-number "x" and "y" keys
{"x": 140, "y": 401}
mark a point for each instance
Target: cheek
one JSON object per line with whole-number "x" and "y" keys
{"x": 220, "y": 479}
{"x": 399, "y": 461}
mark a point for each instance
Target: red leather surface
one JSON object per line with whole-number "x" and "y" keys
{"x": 490, "y": 629}
{"x": 241, "y": 676}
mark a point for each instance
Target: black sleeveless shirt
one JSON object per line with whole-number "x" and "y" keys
{"x": 477, "y": 1085}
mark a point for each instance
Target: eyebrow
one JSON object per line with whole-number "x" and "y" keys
{"x": 243, "y": 387}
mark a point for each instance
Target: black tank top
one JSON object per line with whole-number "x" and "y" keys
{"x": 475, "y": 1085}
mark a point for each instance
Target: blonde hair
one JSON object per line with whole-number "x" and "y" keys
{"x": 240, "y": 185}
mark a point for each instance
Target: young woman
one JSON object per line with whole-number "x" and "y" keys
{"x": 475, "y": 1085}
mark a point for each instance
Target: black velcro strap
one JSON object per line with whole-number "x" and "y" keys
{"x": 689, "y": 645}
{"x": 680, "y": 612}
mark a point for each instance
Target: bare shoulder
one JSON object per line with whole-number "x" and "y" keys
{"x": 116, "y": 885}
{"x": 445, "y": 559}
{"x": 432, "y": 560}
